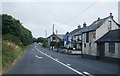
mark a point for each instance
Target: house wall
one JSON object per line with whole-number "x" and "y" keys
{"x": 91, "y": 47}
{"x": 112, "y": 55}
{"x": 50, "y": 39}
{"x": 103, "y": 29}
{"x": 65, "y": 42}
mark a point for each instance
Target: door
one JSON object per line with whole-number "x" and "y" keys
{"x": 101, "y": 50}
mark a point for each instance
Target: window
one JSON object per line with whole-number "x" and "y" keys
{"x": 89, "y": 44}
{"x": 84, "y": 44}
{"x": 53, "y": 38}
{"x": 94, "y": 35}
{"x": 87, "y": 37}
{"x": 109, "y": 25}
{"x": 112, "y": 47}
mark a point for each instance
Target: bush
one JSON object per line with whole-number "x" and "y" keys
{"x": 70, "y": 48}
{"x": 12, "y": 38}
{"x": 78, "y": 49}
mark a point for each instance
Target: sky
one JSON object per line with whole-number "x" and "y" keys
{"x": 66, "y": 15}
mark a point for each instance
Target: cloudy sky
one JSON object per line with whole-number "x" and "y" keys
{"x": 66, "y": 15}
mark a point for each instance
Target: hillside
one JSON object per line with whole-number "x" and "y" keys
{"x": 15, "y": 37}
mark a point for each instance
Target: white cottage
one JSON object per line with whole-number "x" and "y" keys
{"x": 77, "y": 38}
{"x": 95, "y": 31}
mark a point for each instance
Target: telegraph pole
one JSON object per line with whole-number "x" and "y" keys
{"x": 45, "y": 34}
{"x": 53, "y": 28}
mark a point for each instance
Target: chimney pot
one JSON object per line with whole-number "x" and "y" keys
{"x": 98, "y": 18}
{"x": 84, "y": 24}
{"x": 111, "y": 15}
{"x": 79, "y": 26}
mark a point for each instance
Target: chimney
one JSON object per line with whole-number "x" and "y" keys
{"x": 79, "y": 26}
{"x": 84, "y": 24}
{"x": 98, "y": 19}
{"x": 111, "y": 15}
{"x": 56, "y": 32}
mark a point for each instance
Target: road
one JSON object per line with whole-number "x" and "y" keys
{"x": 38, "y": 60}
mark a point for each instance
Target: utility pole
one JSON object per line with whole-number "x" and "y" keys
{"x": 56, "y": 32}
{"x": 53, "y": 28}
{"x": 45, "y": 34}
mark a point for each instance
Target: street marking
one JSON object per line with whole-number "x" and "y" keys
{"x": 38, "y": 57}
{"x": 69, "y": 64}
{"x": 88, "y": 74}
{"x": 60, "y": 62}
{"x": 57, "y": 59}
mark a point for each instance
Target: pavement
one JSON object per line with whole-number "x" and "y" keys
{"x": 39, "y": 60}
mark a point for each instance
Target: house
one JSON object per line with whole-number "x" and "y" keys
{"x": 68, "y": 38}
{"x": 109, "y": 46}
{"x": 54, "y": 39}
{"x": 95, "y": 31}
{"x": 77, "y": 38}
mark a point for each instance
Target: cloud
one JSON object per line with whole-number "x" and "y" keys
{"x": 40, "y": 16}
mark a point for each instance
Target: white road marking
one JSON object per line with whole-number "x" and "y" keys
{"x": 38, "y": 57}
{"x": 56, "y": 58}
{"x": 61, "y": 63}
{"x": 68, "y": 64}
{"x": 87, "y": 73}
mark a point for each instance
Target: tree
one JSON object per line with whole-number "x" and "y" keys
{"x": 13, "y": 28}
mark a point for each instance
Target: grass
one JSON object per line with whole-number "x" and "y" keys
{"x": 10, "y": 52}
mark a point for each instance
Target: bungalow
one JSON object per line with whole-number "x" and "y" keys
{"x": 95, "y": 31}
{"x": 109, "y": 46}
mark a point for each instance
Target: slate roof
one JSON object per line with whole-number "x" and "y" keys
{"x": 73, "y": 32}
{"x": 60, "y": 36}
{"x": 81, "y": 31}
{"x": 96, "y": 24}
{"x": 111, "y": 36}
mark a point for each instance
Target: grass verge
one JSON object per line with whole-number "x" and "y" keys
{"x": 10, "y": 52}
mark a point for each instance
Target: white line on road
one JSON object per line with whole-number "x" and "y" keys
{"x": 87, "y": 73}
{"x": 61, "y": 63}
{"x": 38, "y": 57}
{"x": 68, "y": 64}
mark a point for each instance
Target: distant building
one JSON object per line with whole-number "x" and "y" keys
{"x": 77, "y": 38}
{"x": 68, "y": 38}
{"x": 55, "y": 38}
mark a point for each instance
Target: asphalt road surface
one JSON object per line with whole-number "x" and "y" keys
{"x": 38, "y": 60}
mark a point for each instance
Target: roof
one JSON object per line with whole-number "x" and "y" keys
{"x": 111, "y": 36}
{"x": 81, "y": 31}
{"x": 96, "y": 24}
{"x": 73, "y": 32}
{"x": 60, "y": 36}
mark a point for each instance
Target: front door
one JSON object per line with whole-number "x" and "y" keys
{"x": 101, "y": 50}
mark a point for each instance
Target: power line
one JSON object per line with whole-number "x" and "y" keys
{"x": 81, "y": 12}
